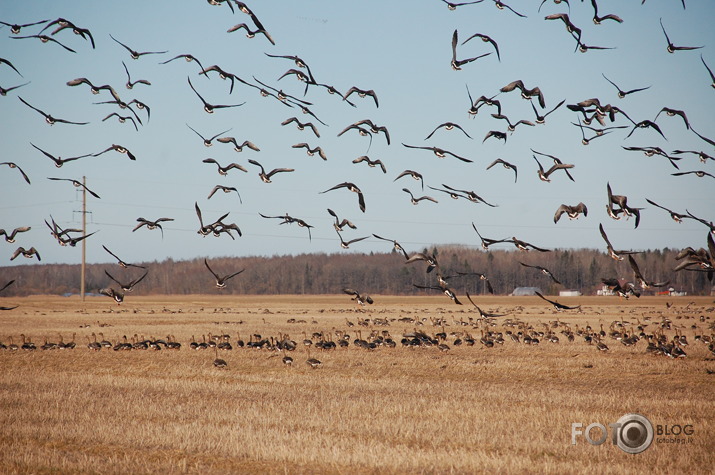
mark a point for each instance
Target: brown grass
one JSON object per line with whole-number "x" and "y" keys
{"x": 506, "y": 409}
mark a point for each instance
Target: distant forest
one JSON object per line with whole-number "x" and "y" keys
{"x": 373, "y": 273}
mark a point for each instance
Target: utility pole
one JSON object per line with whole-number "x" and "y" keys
{"x": 84, "y": 233}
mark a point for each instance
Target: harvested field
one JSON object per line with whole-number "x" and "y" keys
{"x": 467, "y": 408}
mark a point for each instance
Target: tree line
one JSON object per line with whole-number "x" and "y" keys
{"x": 373, "y": 273}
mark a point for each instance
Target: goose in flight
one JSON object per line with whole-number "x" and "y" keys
{"x": 447, "y": 126}
{"x": 221, "y": 280}
{"x": 10, "y": 235}
{"x": 120, "y": 262}
{"x": 311, "y": 151}
{"x": 15, "y": 28}
{"x": 571, "y": 211}
{"x": 43, "y": 39}
{"x": 5, "y": 90}
{"x": 486, "y": 242}
{"x": 210, "y": 108}
{"x": 59, "y": 161}
{"x": 482, "y": 277}
{"x": 645, "y": 284}
{"x": 225, "y": 189}
{"x": 615, "y": 255}
{"x": 351, "y": 187}
{"x": 339, "y": 225}
{"x": 236, "y": 146}
{"x": 416, "y": 201}
{"x": 117, "y": 148}
{"x": 558, "y": 306}
{"x": 357, "y": 297}
{"x": 22, "y": 172}
{"x": 482, "y": 313}
{"x": 207, "y": 141}
{"x": 77, "y": 184}
{"x": 395, "y": 244}
{"x": 122, "y": 119}
{"x": 127, "y": 286}
{"x": 371, "y": 163}
{"x": 130, "y": 84}
{"x": 5, "y": 61}
{"x": 302, "y": 125}
{"x": 430, "y": 259}
{"x": 116, "y": 295}
{"x": 506, "y": 165}
{"x": 48, "y": 118}
{"x": 526, "y": 93}
{"x": 361, "y": 93}
{"x": 346, "y": 244}
{"x": 543, "y": 270}
{"x": 439, "y": 152}
{"x": 251, "y": 33}
{"x": 151, "y": 224}
{"x": 223, "y": 171}
{"x": 525, "y": 246}
{"x": 485, "y": 39}
{"x": 28, "y": 253}
{"x": 544, "y": 175}
{"x": 417, "y": 176}
{"x": 189, "y": 58}
{"x": 134, "y": 53}
{"x": 671, "y": 47}
{"x": 442, "y": 288}
{"x": 287, "y": 219}
{"x": 470, "y": 195}
{"x": 266, "y": 177}
{"x": 458, "y": 63}
{"x": 677, "y": 217}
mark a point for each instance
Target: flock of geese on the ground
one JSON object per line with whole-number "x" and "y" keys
{"x": 548, "y": 166}
{"x": 656, "y": 335}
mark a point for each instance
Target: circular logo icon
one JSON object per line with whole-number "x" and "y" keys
{"x": 635, "y": 433}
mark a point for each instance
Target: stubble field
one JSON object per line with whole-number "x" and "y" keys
{"x": 409, "y": 408}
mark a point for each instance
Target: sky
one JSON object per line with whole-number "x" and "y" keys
{"x": 402, "y": 51}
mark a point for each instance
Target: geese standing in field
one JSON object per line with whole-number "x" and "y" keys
{"x": 357, "y": 297}
{"x": 266, "y": 177}
{"x": 223, "y": 171}
{"x": 416, "y": 201}
{"x": 221, "y": 280}
{"x": 59, "y": 161}
{"x": 506, "y": 165}
{"x": 152, "y": 224}
{"x": 127, "y": 286}
{"x": 48, "y": 118}
{"x": 371, "y": 163}
{"x": 14, "y": 165}
{"x": 10, "y": 235}
{"x": 28, "y": 253}
{"x": 219, "y": 363}
{"x": 396, "y": 246}
{"x": 571, "y": 211}
{"x": 558, "y": 306}
{"x": 350, "y": 187}
{"x": 120, "y": 262}
{"x": 339, "y": 225}
{"x": 210, "y": 108}
{"x": 543, "y": 270}
{"x": 77, "y": 184}
{"x": 302, "y": 125}
{"x": 136, "y": 54}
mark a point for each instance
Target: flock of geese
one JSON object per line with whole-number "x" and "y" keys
{"x": 548, "y": 167}
{"x": 655, "y": 335}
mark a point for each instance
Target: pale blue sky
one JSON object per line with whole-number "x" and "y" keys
{"x": 401, "y": 50}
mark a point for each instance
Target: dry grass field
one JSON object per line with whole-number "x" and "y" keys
{"x": 468, "y": 409}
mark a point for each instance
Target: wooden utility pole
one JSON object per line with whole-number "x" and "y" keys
{"x": 84, "y": 233}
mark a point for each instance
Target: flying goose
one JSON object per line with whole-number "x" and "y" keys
{"x": 122, "y": 119}
{"x": 371, "y": 163}
{"x": 453, "y": 6}
{"x": 5, "y": 90}
{"x": 206, "y": 229}
{"x": 120, "y": 261}
{"x": 512, "y": 127}
{"x": 151, "y": 224}
{"x": 698, "y": 173}
{"x": 701, "y": 155}
{"x": 209, "y": 108}
{"x": 346, "y": 244}
{"x": 302, "y": 125}
{"x": 223, "y": 171}
{"x": 117, "y": 148}
{"x": 48, "y": 118}
{"x": 311, "y": 151}
{"x": 671, "y": 47}
{"x": 298, "y": 62}
{"x": 10, "y": 236}
{"x": 486, "y": 242}
{"x": 395, "y": 244}
{"x": 712, "y": 76}
{"x": 339, "y": 225}
{"x": 623, "y": 290}
{"x": 672, "y": 113}
{"x": 439, "y": 152}
{"x": 615, "y": 255}
{"x": 416, "y": 201}
{"x": 485, "y": 39}
{"x": 482, "y": 313}
{"x": 525, "y": 92}
{"x": 225, "y": 189}
{"x": 558, "y": 306}
{"x": 570, "y": 27}
{"x": 29, "y": 253}
{"x": 351, "y": 187}
{"x": 207, "y": 141}
{"x": 447, "y": 126}
{"x": 77, "y": 184}
{"x": 14, "y": 165}
{"x": 482, "y": 277}
{"x": 621, "y": 93}
{"x": 266, "y": 177}
{"x": 677, "y": 217}
{"x": 130, "y": 84}
{"x": 114, "y": 294}
{"x": 15, "y": 28}
{"x": 221, "y": 281}
{"x": 639, "y": 277}
{"x": 287, "y": 219}
{"x": 501, "y": 6}
{"x": 444, "y": 289}
{"x": 236, "y": 146}
{"x": 127, "y": 286}
{"x": 571, "y": 211}
{"x": 135, "y": 54}
{"x": 543, "y": 270}
{"x": 497, "y": 134}
{"x": 544, "y": 175}
{"x": 251, "y": 33}
{"x": 598, "y": 19}
{"x": 361, "y": 93}
{"x": 224, "y": 75}
{"x": 43, "y": 39}
{"x": 430, "y": 259}
{"x": 59, "y": 161}
{"x": 357, "y": 297}
{"x": 458, "y": 63}
{"x": 189, "y": 58}
{"x": 470, "y": 195}
{"x": 506, "y": 165}
{"x": 524, "y": 246}
{"x": 417, "y": 176}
